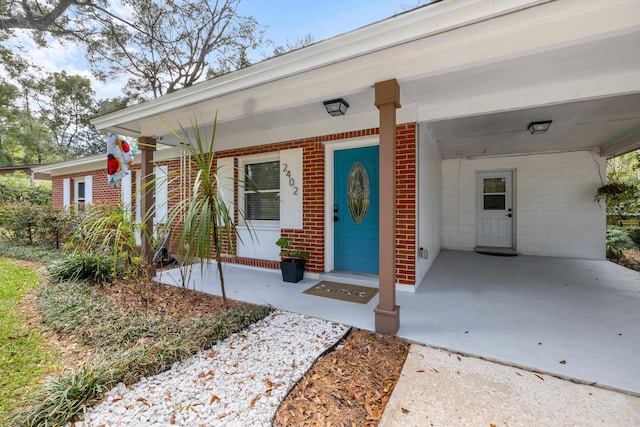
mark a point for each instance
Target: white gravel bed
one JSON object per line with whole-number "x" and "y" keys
{"x": 238, "y": 382}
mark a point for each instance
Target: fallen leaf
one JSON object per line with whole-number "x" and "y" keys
{"x": 268, "y": 392}
{"x": 563, "y": 362}
{"x": 492, "y": 425}
{"x": 252, "y": 403}
{"x": 213, "y": 399}
{"x": 222, "y": 415}
{"x": 173, "y": 419}
{"x": 420, "y": 370}
{"x": 459, "y": 358}
{"x": 518, "y": 374}
{"x": 404, "y": 411}
{"x": 539, "y": 377}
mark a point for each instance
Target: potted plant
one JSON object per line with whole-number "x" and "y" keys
{"x": 292, "y": 265}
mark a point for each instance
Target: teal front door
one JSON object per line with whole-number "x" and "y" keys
{"x": 355, "y": 209}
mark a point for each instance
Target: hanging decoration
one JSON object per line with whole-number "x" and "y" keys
{"x": 119, "y": 158}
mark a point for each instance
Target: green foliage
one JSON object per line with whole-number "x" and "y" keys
{"x": 209, "y": 226}
{"x": 17, "y": 187}
{"x": 109, "y": 230}
{"x": 618, "y": 238}
{"x": 634, "y": 235}
{"x": 88, "y": 267}
{"x": 23, "y": 360}
{"x": 29, "y": 253}
{"x": 622, "y": 191}
{"x": 33, "y": 225}
{"x": 132, "y": 345}
{"x": 288, "y": 251}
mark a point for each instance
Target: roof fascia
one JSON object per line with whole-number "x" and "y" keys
{"x": 399, "y": 29}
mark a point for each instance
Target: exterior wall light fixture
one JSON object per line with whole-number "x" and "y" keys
{"x": 539, "y": 127}
{"x": 336, "y": 107}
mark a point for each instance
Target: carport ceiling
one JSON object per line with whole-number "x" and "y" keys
{"x": 590, "y": 124}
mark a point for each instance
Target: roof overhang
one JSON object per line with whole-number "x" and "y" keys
{"x": 454, "y": 60}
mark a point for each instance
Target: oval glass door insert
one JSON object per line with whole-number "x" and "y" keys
{"x": 358, "y": 192}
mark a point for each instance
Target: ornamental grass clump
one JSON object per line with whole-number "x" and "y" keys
{"x": 128, "y": 345}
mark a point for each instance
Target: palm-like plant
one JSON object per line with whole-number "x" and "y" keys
{"x": 208, "y": 221}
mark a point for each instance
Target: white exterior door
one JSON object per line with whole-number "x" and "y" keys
{"x": 495, "y": 209}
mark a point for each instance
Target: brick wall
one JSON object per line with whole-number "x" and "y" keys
{"x": 102, "y": 192}
{"x": 311, "y": 238}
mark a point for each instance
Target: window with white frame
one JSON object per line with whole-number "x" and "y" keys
{"x": 80, "y": 193}
{"x": 261, "y": 195}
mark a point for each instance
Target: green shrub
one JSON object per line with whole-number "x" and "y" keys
{"x": 40, "y": 225}
{"x": 618, "y": 238}
{"x": 83, "y": 267}
{"x": 17, "y": 187}
{"x": 634, "y": 234}
{"x": 110, "y": 230}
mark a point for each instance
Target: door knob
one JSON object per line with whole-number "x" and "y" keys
{"x": 509, "y": 215}
{"x": 335, "y": 218}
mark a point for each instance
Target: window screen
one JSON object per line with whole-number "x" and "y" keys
{"x": 262, "y": 191}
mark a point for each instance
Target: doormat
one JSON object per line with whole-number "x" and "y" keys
{"x": 343, "y": 292}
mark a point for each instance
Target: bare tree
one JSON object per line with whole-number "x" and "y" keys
{"x": 173, "y": 43}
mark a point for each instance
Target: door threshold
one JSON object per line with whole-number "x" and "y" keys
{"x": 351, "y": 278}
{"x": 488, "y": 250}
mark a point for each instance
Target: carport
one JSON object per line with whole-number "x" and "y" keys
{"x": 573, "y": 318}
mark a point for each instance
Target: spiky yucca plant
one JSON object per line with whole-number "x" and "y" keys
{"x": 209, "y": 226}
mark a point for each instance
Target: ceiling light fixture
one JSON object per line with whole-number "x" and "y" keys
{"x": 336, "y": 107}
{"x": 539, "y": 127}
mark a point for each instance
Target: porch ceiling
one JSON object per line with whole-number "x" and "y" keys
{"x": 595, "y": 124}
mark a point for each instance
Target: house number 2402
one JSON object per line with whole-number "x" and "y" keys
{"x": 292, "y": 181}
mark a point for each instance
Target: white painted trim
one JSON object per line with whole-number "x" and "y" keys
{"x": 88, "y": 189}
{"x": 424, "y": 22}
{"x": 242, "y": 161}
{"x": 126, "y": 189}
{"x": 329, "y": 148}
{"x": 66, "y": 193}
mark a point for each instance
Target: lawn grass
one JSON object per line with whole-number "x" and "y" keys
{"x": 23, "y": 361}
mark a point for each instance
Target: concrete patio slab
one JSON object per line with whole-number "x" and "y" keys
{"x": 577, "y": 319}
{"x": 439, "y": 388}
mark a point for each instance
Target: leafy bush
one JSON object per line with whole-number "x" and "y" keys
{"x": 34, "y": 224}
{"x": 17, "y": 187}
{"x": 110, "y": 231}
{"x": 618, "y": 238}
{"x": 83, "y": 267}
{"x": 634, "y": 234}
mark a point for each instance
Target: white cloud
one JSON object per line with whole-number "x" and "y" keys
{"x": 67, "y": 57}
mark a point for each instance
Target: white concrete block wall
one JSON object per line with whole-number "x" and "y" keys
{"x": 429, "y": 225}
{"x": 555, "y": 214}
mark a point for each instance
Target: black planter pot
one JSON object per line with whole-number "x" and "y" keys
{"x": 292, "y": 269}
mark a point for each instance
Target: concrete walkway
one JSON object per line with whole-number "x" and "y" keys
{"x": 438, "y": 388}
{"x": 576, "y": 319}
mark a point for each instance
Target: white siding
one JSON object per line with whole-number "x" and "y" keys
{"x": 429, "y": 201}
{"x": 555, "y": 214}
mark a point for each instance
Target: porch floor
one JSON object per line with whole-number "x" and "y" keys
{"x": 531, "y": 312}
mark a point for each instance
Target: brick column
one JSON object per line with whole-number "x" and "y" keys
{"x": 387, "y": 313}
{"x": 147, "y": 146}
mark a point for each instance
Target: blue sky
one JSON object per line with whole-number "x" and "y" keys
{"x": 293, "y": 19}
{"x": 282, "y": 20}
